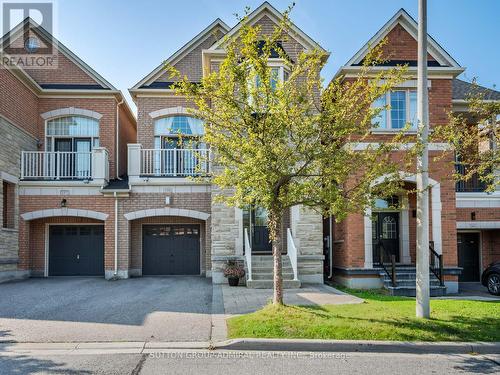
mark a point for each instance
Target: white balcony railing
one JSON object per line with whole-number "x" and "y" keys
{"x": 174, "y": 162}
{"x": 56, "y": 165}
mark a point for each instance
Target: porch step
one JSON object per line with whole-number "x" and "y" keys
{"x": 436, "y": 291}
{"x": 268, "y": 284}
{"x": 262, "y": 273}
{"x": 406, "y": 283}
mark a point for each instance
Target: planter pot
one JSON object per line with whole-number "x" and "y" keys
{"x": 233, "y": 281}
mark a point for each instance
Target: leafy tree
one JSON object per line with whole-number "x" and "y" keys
{"x": 475, "y": 136}
{"x": 280, "y": 143}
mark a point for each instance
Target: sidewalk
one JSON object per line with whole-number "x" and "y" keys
{"x": 242, "y": 300}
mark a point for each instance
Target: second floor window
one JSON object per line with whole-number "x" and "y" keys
{"x": 400, "y": 108}
{"x": 72, "y": 133}
{"x": 178, "y": 132}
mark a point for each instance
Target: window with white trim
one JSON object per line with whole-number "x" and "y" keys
{"x": 71, "y": 128}
{"x": 399, "y": 108}
{"x": 171, "y": 131}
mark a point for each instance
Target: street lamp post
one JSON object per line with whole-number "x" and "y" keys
{"x": 422, "y": 279}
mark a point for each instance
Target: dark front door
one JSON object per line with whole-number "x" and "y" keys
{"x": 260, "y": 231}
{"x": 76, "y": 250}
{"x": 468, "y": 256}
{"x": 170, "y": 249}
{"x": 386, "y": 231}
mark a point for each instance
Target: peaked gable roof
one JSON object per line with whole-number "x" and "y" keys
{"x": 66, "y": 52}
{"x": 411, "y": 26}
{"x": 267, "y": 9}
{"x": 218, "y": 24}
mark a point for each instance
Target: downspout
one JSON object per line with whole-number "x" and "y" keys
{"x": 117, "y": 150}
{"x": 330, "y": 246}
{"x": 116, "y": 235}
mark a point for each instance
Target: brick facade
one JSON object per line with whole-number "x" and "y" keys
{"x": 222, "y": 232}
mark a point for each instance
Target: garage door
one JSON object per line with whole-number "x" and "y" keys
{"x": 76, "y": 250}
{"x": 171, "y": 249}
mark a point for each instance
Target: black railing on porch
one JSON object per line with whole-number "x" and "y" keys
{"x": 472, "y": 185}
{"x": 384, "y": 254}
{"x": 436, "y": 263}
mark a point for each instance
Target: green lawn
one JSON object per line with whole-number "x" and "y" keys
{"x": 380, "y": 317}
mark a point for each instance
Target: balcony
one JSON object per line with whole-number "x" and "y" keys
{"x": 167, "y": 162}
{"x": 65, "y": 166}
{"x": 473, "y": 185}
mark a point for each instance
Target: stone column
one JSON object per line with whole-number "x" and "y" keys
{"x": 307, "y": 230}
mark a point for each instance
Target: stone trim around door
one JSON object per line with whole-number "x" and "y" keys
{"x": 64, "y": 212}
{"x": 167, "y": 211}
{"x": 436, "y": 221}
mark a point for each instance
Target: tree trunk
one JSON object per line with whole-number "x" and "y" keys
{"x": 275, "y": 237}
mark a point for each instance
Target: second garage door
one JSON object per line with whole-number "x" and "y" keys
{"x": 171, "y": 249}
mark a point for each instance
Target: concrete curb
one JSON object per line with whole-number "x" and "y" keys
{"x": 360, "y": 346}
{"x": 344, "y": 346}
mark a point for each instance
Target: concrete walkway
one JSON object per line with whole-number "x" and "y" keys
{"x": 242, "y": 300}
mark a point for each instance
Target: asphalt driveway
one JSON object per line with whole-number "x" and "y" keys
{"x": 93, "y": 309}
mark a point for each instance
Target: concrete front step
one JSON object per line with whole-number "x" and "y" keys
{"x": 407, "y": 276}
{"x": 436, "y": 291}
{"x": 409, "y": 283}
{"x": 268, "y": 284}
{"x": 267, "y": 276}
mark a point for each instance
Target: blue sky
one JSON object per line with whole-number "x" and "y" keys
{"x": 124, "y": 39}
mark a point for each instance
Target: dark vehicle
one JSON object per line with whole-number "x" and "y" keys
{"x": 491, "y": 278}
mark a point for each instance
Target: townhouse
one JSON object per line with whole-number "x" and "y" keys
{"x": 65, "y": 132}
{"x": 89, "y": 190}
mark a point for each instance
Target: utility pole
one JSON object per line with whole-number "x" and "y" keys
{"x": 423, "y": 287}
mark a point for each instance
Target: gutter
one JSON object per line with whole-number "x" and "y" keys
{"x": 116, "y": 234}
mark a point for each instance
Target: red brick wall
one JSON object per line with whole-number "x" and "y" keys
{"x": 30, "y": 247}
{"x": 482, "y": 214}
{"x": 128, "y": 134}
{"x": 18, "y": 103}
{"x": 136, "y": 237}
{"x": 107, "y": 124}
{"x": 145, "y": 124}
{"x": 490, "y": 246}
{"x": 37, "y": 239}
{"x": 401, "y": 45}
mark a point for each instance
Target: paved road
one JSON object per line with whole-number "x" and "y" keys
{"x": 93, "y": 309}
{"x": 252, "y": 363}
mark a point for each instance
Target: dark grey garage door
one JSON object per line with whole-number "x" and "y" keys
{"x": 171, "y": 249}
{"x": 76, "y": 250}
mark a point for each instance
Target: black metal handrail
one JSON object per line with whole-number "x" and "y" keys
{"x": 392, "y": 272}
{"x": 472, "y": 185}
{"x": 436, "y": 263}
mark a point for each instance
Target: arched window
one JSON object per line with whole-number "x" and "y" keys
{"x": 178, "y": 149}
{"x": 72, "y": 133}
{"x": 178, "y": 132}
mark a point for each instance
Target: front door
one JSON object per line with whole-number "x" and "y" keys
{"x": 260, "y": 231}
{"x": 468, "y": 256}
{"x": 386, "y": 231}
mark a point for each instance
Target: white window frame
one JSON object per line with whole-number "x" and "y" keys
{"x": 388, "y": 120}
{"x": 52, "y": 138}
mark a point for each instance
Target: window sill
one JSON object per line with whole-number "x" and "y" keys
{"x": 392, "y": 131}
{"x": 9, "y": 229}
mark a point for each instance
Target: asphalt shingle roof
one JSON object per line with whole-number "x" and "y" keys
{"x": 461, "y": 90}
